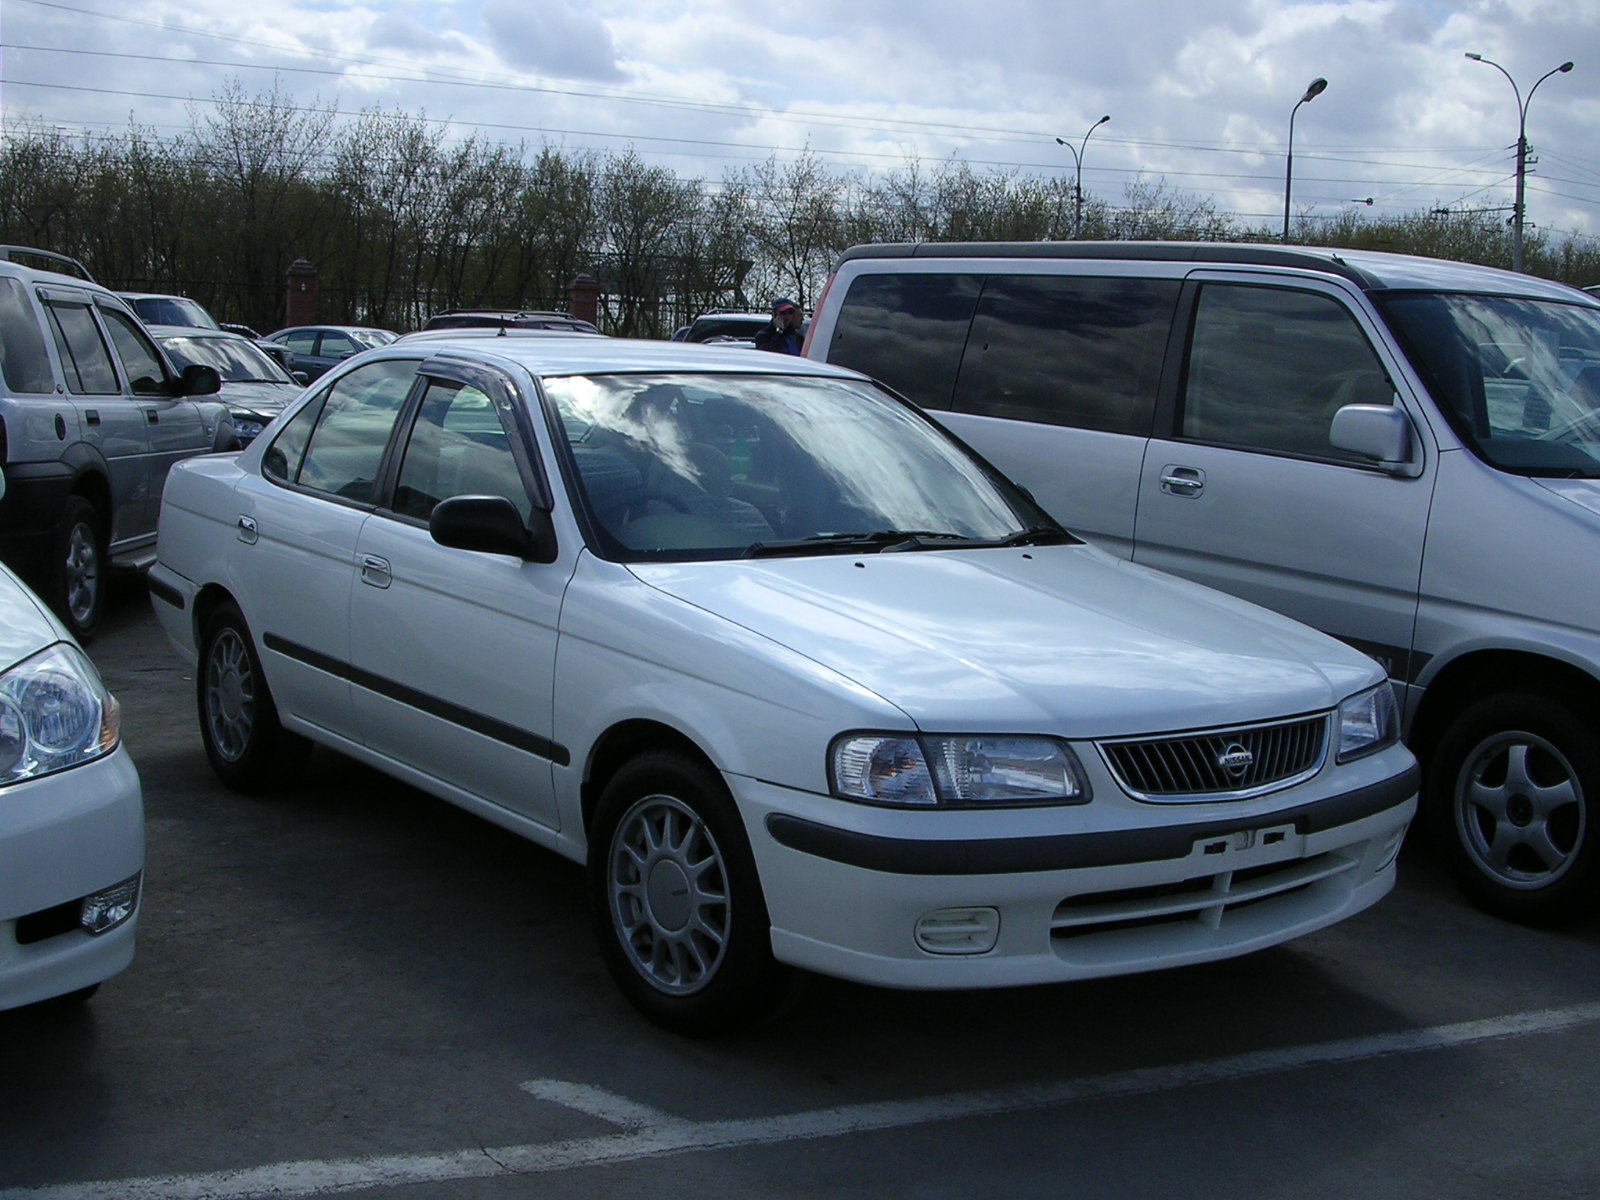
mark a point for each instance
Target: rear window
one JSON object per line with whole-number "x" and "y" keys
{"x": 23, "y": 360}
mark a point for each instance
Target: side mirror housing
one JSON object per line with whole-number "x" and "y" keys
{"x": 1381, "y": 432}
{"x": 199, "y": 380}
{"x": 492, "y": 525}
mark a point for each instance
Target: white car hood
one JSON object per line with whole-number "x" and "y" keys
{"x": 1063, "y": 639}
{"x": 26, "y": 627}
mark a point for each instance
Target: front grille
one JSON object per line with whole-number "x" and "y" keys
{"x": 1220, "y": 763}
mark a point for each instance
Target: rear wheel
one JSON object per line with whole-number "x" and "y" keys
{"x": 677, "y": 903}
{"x": 77, "y": 579}
{"x": 1514, "y": 807}
{"x": 249, "y": 749}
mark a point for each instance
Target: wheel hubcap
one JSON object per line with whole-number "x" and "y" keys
{"x": 669, "y": 896}
{"x": 1519, "y": 810}
{"x": 82, "y": 573}
{"x": 230, "y": 695}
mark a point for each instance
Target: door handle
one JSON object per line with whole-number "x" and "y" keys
{"x": 1187, "y": 482}
{"x": 246, "y": 530}
{"x": 375, "y": 571}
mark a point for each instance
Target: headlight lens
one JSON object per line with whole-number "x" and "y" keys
{"x": 54, "y": 714}
{"x": 1368, "y": 722}
{"x": 955, "y": 771}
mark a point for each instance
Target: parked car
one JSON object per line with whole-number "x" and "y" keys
{"x": 495, "y": 318}
{"x": 254, "y": 387}
{"x": 724, "y": 327}
{"x": 71, "y": 814}
{"x": 316, "y": 349}
{"x": 92, "y": 416}
{"x": 800, "y": 680}
{"x": 160, "y": 308}
{"x": 1402, "y": 452}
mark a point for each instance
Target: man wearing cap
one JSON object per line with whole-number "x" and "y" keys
{"x": 783, "y": 335}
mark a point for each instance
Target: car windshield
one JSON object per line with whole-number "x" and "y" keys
{"x": 172, "y": 310}
{"x": 236, "y": 360}
{"x": 729, "y": 465}
{"x": 1519, "y": 379}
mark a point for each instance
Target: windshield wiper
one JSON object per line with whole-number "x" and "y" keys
{"x": 887, "y": 541}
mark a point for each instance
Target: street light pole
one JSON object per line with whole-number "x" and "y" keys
{"x": 1317, "y": 87}
{"x": 1077, "y": 187}
{"x": 1522, "y": 147}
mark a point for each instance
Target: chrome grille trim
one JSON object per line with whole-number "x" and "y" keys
{"x": 1211, "y": 764}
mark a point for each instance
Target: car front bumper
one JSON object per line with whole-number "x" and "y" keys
{"x": 66, "y": 839}
{"x": 1193, "y": 883}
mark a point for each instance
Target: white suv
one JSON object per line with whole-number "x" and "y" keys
{"x": 92, "y": 414}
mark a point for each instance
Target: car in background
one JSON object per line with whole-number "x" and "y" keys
{"x": 160, "y": 308}
{"x": 71, "y": 813}
{"x": 315, "y": 349}
{"x": 723, "y": 327}
{"x": 513, "y": 332}
{"x": 496, "y": 318}
{"x": 801, "y": 681}
{"x": 92, "y": 414}
{"x": 254, "y": 387}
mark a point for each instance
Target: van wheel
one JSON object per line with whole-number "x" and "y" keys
{"x": 77, "y": 580}
{"x": 248, "y": 748}
{"x": 677, "y": 903}
{"x": 1513, "y": 805}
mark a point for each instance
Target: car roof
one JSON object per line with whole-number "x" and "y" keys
{"x": 589, "y": 355}
{"x": 1372, "y": 270}
{"x": 495, "y": 331}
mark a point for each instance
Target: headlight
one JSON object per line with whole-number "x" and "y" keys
{"x": 955, "y": 771}
{"x": 1368, "y": 722}
{"x": 54, "y": 714}
{"x": 248, "y": 428}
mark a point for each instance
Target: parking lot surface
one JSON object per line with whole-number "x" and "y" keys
{"x": 351, "y": 988}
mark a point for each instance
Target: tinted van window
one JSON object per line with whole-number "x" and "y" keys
{"x": 1067, "y": 350}
{"x": 1268, "y": 368}
{"x": 907, "y": 331}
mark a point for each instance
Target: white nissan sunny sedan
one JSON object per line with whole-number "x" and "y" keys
{"x": 804, "y": 683}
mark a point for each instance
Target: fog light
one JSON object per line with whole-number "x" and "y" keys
{"x": 104, "y": 911}
{"x": 959, "y": 930}
{"x": 1391, "y": 851}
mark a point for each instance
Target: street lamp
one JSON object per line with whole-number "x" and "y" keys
{"x": 1077, "y": 187}
{"x": 1317, "y": 87}
{"x": 1522, "y": 146}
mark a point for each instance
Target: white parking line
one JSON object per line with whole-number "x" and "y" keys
{"x": 647, "y": 1132}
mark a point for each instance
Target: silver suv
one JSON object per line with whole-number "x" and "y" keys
{"x": 1402, "y": 452}
{"x": 92, "y": 414}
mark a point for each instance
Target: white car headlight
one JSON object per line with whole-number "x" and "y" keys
{"x": 54, "y": 714}
{"x": 955, "y": 771}
{"x": 1368, "y": 722}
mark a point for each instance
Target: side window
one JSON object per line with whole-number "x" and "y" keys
{"x": 85, "y": 358}
{"x": 1268, "y": 368}
{"x": 282, "y": 459}
{"x": 907, "y": 331}
{"x": 23, "y": 360}
{"x": 352, "y": 430}
{"x": 458, "y": 447}
{"x": 1067, "y": 350}
{"x": 334, "y": 344}
{"x": 303, "y": 341}
{"x": 146, "y": 375}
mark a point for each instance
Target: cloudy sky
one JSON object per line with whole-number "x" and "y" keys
{"x": 1199, "y": 92}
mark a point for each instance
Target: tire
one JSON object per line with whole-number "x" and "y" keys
{"x": 249, "y": 749}
{"x": 677, "y": 903}
{"x": 77, "y": 580}
{"x": 1513, "y": 806}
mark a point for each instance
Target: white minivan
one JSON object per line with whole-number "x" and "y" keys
{"x": 1402, "y": 452}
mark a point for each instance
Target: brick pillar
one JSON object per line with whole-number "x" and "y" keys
{"x": 301, "y": 307}
{"x": 583, "y": 299}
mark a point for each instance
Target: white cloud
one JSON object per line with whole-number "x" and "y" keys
{"x": 551, "y": 37}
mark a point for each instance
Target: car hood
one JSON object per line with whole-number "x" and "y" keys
{"x": 26, "y": 627}
{"x": 1066, "y": 639}
{"x": 258, "y": 395}
{"x": 1585, "y": 493}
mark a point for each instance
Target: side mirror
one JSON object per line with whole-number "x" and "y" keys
{"x": 300, "y": 377}
{"x": 1381, "y": 432}
{"x": 199, "y": 380}
{"x": 492, "y": 525}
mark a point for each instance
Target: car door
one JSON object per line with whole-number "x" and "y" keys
{"x": 1244, "y": 491}
{"x": 300, "y": 519}
{"x": 110, "y": 421}
{"x": 174, "y": 424}
{"x": 455, "y": 650}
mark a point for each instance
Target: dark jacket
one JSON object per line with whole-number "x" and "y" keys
{"x": 783, "y": 341}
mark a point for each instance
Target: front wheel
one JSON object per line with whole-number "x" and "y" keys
{"x": 249, "y": 749}
{"x": 677, "y": 903}
{"x": 1513, "y": 804}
